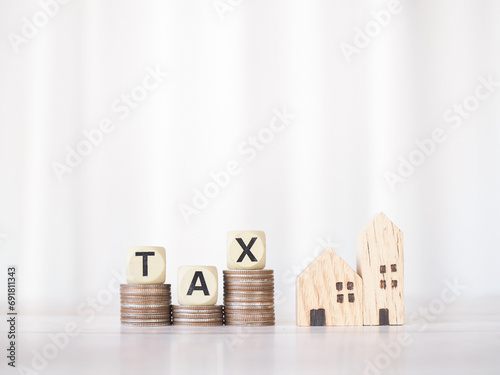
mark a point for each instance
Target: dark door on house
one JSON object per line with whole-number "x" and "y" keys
{"x": 317, "y": 317}
{"x": 383, "y": 317}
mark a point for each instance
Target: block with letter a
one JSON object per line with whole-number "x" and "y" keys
{"x": 246, "y": 250}
{"x": 197, "y": 285}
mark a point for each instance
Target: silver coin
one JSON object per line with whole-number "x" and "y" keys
{"x": 198, "y": 311}
{"x": 162, "y": 301}
{"x": 198, "y": 324}
{"x": 260, "y": 315}
{"x": 242, "y": 304}
{"x": 154, "y": 306}
{"x": 209, "y": 315}
{"x": 197, "y": 317}
{"x": 146, "y": 317}
{"x": 201, "y": 312}
{"x": 250, "y": 324}
{"x": 248, "y": 275}
{"x": 145, "y": 311}
{"x": 157, "y": 297}
{"x": 234, "y": 322}
{"x": 196, "y": 308}
{"x": 256, "y": 311}
{"x": 145, "y": 286}
{"x": 150, "y": 288}
{"x": 147, "y": 324}
{"x": 249, "y": 296}
{"x": 140, "y": 295}
{"x": 142, "y": 304}
{"x": 240, "y": 285}
{"x": 250, "y": 272}
{"x": 248, "y": 292}
{"x": 129, "y": 320}
{"x": 196, "y": 320}
{"x": 259, "y": 304}
{"x": 248, "y": 299}
{"x": 238, "y": 307}
{"x": 145, "y": 295}
{"x": 250, "y": 282}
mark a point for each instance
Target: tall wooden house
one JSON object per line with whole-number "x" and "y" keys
{"x": 380, "y": 262}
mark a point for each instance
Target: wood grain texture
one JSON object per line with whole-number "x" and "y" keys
{"x": 324, "y": 285}
{"x": 380, "y": 263}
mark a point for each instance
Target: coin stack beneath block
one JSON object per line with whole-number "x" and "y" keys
{"x": 145, "y": 304}
{"x": 249, "y": 297}
{"x": 197, "y": 315}
{"x": 197, "y": 292}
{"x": 145, "y": 299}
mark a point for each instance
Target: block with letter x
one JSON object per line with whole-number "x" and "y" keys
{"x": 246, "y": 250}
{"x": 197, "y": 285}
{"x": 146, "y": 265}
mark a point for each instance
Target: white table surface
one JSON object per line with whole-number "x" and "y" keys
{"x": 464, "y": 339}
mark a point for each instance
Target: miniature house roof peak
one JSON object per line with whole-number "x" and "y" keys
{"x": 327, "y": 253}
{"x": 382, "y": 220}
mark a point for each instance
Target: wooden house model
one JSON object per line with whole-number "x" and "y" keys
{"x": 331, "y": 293}
{"x": 379, "y": 259}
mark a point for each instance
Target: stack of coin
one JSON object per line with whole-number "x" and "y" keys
{"x": 145, "y": 304}
{"x": 197, "y": 315}
{"x": 249, "y": 297}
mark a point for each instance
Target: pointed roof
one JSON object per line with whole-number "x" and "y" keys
{"x": 332, "y": 256}
{"x": 380, "y": 219}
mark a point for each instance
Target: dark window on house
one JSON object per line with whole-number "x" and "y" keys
{"x": 394, "y": 283}
{"x": 350, "y": 296}
{"x": 350, "y": 285}
{"x": 382, "y": 284}
{"x": 340, "y": 298}
{"x": 339, "y": 286}
{"x": 382, "y": 269}
{"x": 394, "y": 268}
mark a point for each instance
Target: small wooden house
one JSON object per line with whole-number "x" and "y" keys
{"x": 329, "y": 292}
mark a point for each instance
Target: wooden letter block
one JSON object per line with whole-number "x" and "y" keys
{"x": 146, "y": 265}
{"x": 246, "y": 250}
{"x": 197, "y": 285}
{"x": 380, "y": 262}
{"x": 329, "y": 292}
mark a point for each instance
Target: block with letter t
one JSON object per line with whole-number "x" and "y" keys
{"x": 246, "y": 250}
{"x": 146, "y": 265}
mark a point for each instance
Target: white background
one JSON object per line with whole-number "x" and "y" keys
{"x": 318, "y": 182}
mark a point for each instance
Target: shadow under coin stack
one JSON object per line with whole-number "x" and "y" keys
{"x": 197, "y": 291}
{"x": 248, "y": 287}
{"x": 145, "y": 299}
